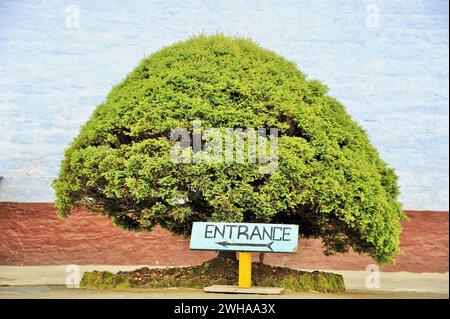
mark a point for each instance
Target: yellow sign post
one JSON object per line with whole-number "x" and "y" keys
{"x": 245, "y": 269}
{"x": 244, "y": 238}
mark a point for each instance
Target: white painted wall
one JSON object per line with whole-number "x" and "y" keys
{"x": 387, "y": 61}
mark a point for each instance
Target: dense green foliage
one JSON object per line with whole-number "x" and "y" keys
{"x": 329, "y": 179}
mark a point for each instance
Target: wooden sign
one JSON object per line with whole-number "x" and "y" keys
{"x": 244, "y": 237}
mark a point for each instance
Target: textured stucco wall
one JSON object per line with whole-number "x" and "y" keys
{"x": 387, "y": 61}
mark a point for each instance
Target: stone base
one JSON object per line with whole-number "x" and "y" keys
{"x": 226, "y": 289}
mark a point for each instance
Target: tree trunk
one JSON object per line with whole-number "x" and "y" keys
{"x": 260, "y": 264}
{"x": 227, "y": 255}
{"x": 261, "y": 259}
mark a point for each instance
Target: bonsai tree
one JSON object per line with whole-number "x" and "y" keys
{"x": 329, "y": 179}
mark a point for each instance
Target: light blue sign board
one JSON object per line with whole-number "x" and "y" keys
{"x": 274, "y": 238}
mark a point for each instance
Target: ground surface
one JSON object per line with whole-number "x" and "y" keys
{"x": 190, "y": 293}
{"x": 49, "y": 281}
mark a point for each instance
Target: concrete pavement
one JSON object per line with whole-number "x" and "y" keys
{"x": 58, "y": 292}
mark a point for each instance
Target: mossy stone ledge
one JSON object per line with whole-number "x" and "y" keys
{"x": 212, "y": 273}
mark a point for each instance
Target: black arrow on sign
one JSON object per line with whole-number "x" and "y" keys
{"x": 226, "y": 244}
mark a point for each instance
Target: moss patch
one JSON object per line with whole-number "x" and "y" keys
{"x": 215, "y": 272}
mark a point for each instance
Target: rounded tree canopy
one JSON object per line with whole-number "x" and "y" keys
{"x": 328, "y": 178}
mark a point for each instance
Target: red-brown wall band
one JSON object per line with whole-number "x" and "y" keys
{"x": 32, "y": 234}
